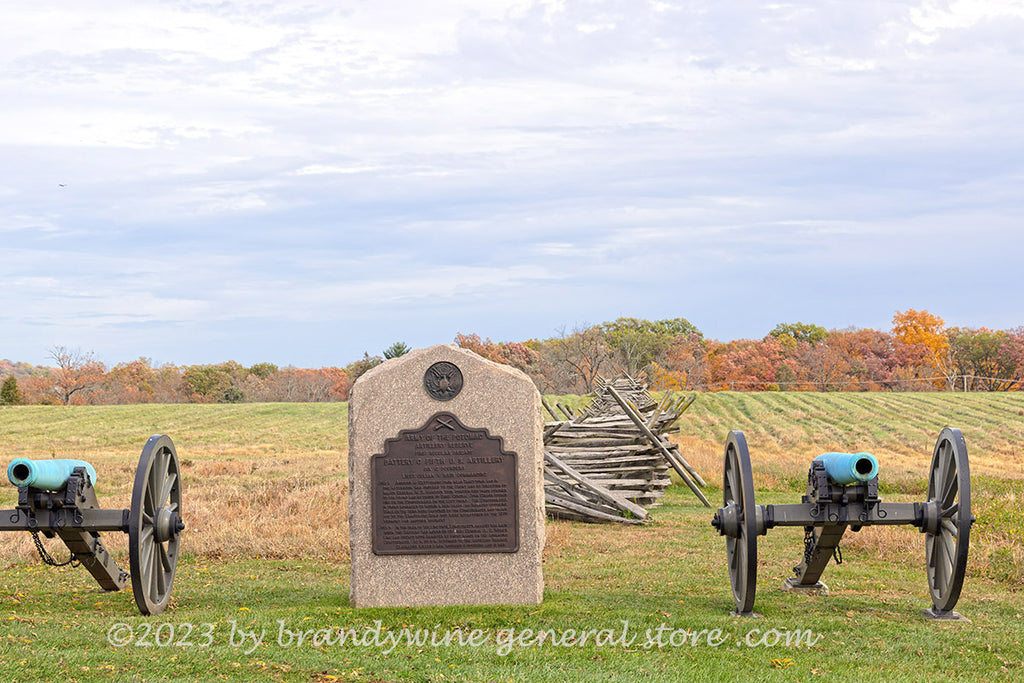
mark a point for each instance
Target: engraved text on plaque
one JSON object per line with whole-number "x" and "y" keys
{"x": 444, "y": 488}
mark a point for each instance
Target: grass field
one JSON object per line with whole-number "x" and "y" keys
{"x": 266, "y": 551}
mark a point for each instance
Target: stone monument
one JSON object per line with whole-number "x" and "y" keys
{"x": 446, "y": 485}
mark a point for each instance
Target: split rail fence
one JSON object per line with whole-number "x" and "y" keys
{"x": 611, "y": 461}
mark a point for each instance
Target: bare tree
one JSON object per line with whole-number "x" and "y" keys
{"x": 584, "y": 354}
{"x": 822, "y": 366}
{"x": 75, "y": 372}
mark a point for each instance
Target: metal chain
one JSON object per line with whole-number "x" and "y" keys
{"x": 837, "y": 552}
{"x": 48, "y": 559}
{"x": 808, "y": 545}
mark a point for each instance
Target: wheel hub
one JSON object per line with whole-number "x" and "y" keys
{"x": 167, "y": 525}
{"x": 727, "y": 520}
{"x": 931, "y": 517}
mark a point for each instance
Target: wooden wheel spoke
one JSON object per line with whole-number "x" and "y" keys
{"x": 146, "y": 553}
{"x": 948, "y": 547}
{"x": 165, "y": 491}
{"x": 950, "y": 490}
{"x": 149, "y": 504}
{"x": 945, "y": 456}
{"x": 165, "y": 560}
{"x": 158, "y": 474}
{"x": 159, "y": 577}
{"x": 940, "y": 567}
{"x": 741, "y": 561}
{"x": 154, "y": 573}
{"x": 950, "y": 529}
{"x": 731, "y": 474}
{"x": 938, "y": 474}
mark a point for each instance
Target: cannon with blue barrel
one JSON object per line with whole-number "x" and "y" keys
{"x": 57, "y": 498}
{"x": 842, "y": 493}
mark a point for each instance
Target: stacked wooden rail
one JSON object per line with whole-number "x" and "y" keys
{"x": 612, "y": 460}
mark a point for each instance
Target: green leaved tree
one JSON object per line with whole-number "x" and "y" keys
{"x": 395, "y": 350}
{"x": 10, "y": 395}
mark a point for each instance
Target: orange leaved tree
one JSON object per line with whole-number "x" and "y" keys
{"x": 74, "y": 372}
{"x": 927, "y": 332}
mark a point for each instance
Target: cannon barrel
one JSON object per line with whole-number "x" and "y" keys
{"x": 46, "y": 475}
{"x": 849, "y": 468}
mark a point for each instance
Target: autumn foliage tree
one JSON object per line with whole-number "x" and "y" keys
{"x": 791, "y": 334}
{"x": 987, "y": 359}
{"x": 822, "y": 366}
{"x": 516, "y": 354}
{"x": 637, "y": 344}
{"x": 302, "y": 385}
{"x": 131, "y": 382}
{"x": 926, "y": 332}
{"x": 746, "y": 364}
{"x": 484, "y": 348}
{"x": 869, "y": 357}
{"x": 355, "y": 369}
{"x": 919, "y": 354}
{"x": 75, "y": 372}
{"x": 582, "y": 356}
{"x": 683, "y": 366}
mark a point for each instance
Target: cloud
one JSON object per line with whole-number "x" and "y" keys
{"x": 524, "y": 164}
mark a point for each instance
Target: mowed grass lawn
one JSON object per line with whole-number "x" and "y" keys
{"x": 265, "y": 560}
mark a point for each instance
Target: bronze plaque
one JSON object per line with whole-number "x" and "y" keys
{"x": 445, "y": 488}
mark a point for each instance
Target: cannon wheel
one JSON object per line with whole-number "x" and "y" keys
{"x": 154, "y": 524}
{"x": 949, "y": 484}
{"x": 738, "y": 488}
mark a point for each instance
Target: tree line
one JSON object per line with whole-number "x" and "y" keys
{"x": 919, "y": 353}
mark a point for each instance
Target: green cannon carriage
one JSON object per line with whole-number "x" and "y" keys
{"x": 57, "y": 498}
{"x": 842, "y": 493}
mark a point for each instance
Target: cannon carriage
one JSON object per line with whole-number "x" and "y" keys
{"x": 842, "y": 494}
{"x": 57, "y": 498}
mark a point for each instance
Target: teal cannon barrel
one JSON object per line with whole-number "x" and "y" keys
{"x": 47, "y": 475}
{"x": 849, "y": 468}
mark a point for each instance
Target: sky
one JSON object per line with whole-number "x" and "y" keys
{"x": 302, "y": 182}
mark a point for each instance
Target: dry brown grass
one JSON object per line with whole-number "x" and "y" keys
{"x": 295, "y": 508}
{"x": 258, "y": 480}
{"x": 887, "y": 542}
{"x": 281, "y": 506}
